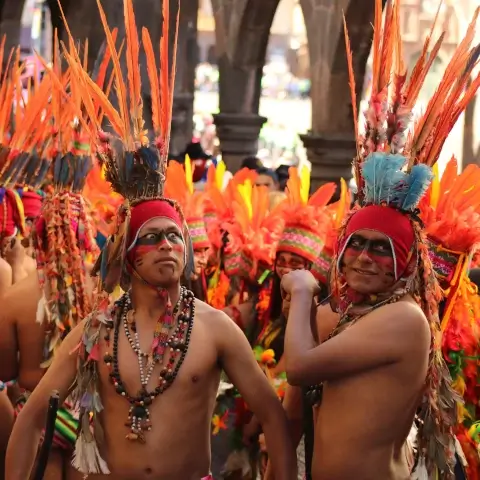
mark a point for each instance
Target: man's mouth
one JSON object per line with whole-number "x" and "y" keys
{"x": 167, "y": 261}
{"x": 360, "y": 271}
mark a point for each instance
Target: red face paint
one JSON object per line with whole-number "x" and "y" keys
{"x": 374, "y": 255}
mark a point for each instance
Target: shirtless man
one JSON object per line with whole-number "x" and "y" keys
{"x": 376, "y": 360}
{"x": 178, "y": 446}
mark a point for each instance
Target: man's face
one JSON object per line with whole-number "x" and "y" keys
{"x": 286, "y": 262}
{"x": 201, "y": 260}
{"x": 159, "y": 252}
{"x": 266, "y": 181}
{"x": 368, "y": 263}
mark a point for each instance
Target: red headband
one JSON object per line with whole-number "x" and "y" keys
{"x": 32, "y": 204}
{"x": 145, "y": 211}
{"x": 10, "y": 216}
{"x": 392, "y": 223}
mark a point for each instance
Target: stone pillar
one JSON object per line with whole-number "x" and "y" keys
{"x": 187, "y": 60}
{"x": 331, "y": 157}
{"x": 238, "y": 135}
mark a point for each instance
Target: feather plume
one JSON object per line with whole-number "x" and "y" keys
{"x": 419, "y": 180}
{"x": 385, "y": 182}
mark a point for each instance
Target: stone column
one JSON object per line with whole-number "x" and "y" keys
{"x": 187, "y": 60}
{"x": 331, "y": 142}
{"x": 331, "y": 157}
{"x": 238, "y": 134}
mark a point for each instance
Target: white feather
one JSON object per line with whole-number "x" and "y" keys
{"x": 41, "y": 309}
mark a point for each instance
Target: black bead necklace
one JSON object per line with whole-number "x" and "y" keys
{"x": 177, "y": 346}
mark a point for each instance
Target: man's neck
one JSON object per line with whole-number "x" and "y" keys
{"x": 149, "y": 302}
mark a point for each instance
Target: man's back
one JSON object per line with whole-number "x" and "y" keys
{"x": 364, "y": 418}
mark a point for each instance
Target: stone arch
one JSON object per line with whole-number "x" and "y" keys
{"x": 331, "y": 142}
{"x": 331, "y": 110}
{"x": 242, "y": 30}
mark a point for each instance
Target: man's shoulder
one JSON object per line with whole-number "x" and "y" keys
{"x": 22, "y": 297}
{"x": 205, "y": 312}
{"x": 404, "y": 317}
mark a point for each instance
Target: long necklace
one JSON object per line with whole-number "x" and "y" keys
{"x": 168, "y": 350}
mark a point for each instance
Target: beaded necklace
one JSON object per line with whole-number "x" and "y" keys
{"x": 166, "y": 338}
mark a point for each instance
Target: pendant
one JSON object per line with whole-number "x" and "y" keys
{"x": 138, "y": 421}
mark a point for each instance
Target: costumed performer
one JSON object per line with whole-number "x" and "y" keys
{"x": 180, "y": 344}
{"x": 42, "y": 309}
{"x": 385, "y": 355}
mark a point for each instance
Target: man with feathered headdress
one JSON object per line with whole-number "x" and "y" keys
{"x": 147, "y": 367}
{"x": 382, "y": 364}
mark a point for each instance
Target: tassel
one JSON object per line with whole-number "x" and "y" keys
{"x": 87, "y": 458}
{"x": 420, "y": 472}
{"x": 40, "y": 315}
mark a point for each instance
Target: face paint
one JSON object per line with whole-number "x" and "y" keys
{"x": 152, "y": 242}
{"x": 377, "y": 250}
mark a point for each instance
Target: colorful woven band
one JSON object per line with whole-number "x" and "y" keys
{"x": 444, "y": 261}
{"x": 321, "y": 266}
{"x": 302, "y": 242}
{"x": 198, "y": 233}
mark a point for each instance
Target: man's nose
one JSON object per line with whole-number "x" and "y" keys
{"x": 365, "y": 256}
{"x": 164, "y": 244}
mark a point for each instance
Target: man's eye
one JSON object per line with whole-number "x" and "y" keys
{"x": 150, "y": 236}
{"x": 173, "y": 236}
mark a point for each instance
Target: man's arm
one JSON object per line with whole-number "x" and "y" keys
{"x": 23, "y": 443}
{"x": 8, "y": 341}
{"x": 5, "y": 277}
{"x": 380, "y": 338}
{"x": 239, "y": 363}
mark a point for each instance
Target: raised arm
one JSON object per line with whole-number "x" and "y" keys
{"x": 23, "y": 444}
{"x": 239, "y": 363}
{"x": 382, "y": 337}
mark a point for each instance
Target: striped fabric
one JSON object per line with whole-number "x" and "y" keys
{"x": 198, "y": 233}
{"x": 66, "y": 425}
{"x": 302, "y": 242}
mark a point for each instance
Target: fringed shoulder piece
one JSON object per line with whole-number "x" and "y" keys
{"x": 451, "y": 215}
{"x": 64, "y": 236}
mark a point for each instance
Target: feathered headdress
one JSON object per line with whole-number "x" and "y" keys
{"x": 133, "y": 164}
{"x": 179, "y": 187}
{"x": 337, "y": 213}
{"x": 254, "y": 232}
{"x": 64, "y": 236}
{"x": 393, "y": 172}
{"x": 306, "y": 220}
{"x": 451, "y": 213}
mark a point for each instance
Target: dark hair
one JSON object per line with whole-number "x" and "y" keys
{"x": 268, "y": 172}
{"x": 283, "y": 175}
{"x": 252, "y": 163}
{"x": 474, "y": 276}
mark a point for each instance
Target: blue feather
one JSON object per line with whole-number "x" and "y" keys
{"x": 384, "y": 180}
{"x": 418, "y": 182}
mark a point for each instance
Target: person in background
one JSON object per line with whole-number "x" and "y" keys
{"x": 252, "y": 163}
{"x": 267, "y": 178}
{"x": 282, "y": 174}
